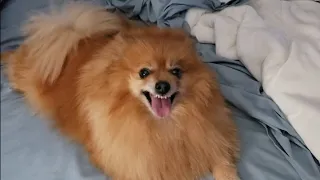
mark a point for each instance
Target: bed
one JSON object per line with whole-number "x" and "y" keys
{"x": 271, "y": 148}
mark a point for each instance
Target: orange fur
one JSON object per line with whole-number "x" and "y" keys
{"x": 80, "y": 68}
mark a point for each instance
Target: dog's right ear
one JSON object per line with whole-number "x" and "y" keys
{"x": 116, "y": 46}
{"x": 125, "y": 36}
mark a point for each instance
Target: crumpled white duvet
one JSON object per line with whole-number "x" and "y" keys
{"x": 279, "y": 42}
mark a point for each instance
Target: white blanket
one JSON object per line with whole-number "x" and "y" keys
{"x": 279, "y": 42}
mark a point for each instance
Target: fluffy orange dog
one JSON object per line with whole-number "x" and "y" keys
{"x": 138, "y": 98}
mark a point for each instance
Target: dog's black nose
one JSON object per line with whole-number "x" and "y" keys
{"x": 162, "y": 87}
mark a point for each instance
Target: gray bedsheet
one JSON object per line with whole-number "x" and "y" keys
{"x": 166, "y": 12}
{"x": 31, "y": 150}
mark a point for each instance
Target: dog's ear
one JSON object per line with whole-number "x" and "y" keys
{"x": 128, "y": 36}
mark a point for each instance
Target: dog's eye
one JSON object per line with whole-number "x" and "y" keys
{"x": 144, "y": 73}
{"x": 177, "y": 72}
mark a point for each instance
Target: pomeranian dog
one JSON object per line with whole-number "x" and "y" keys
{"x": 138, "y": 99}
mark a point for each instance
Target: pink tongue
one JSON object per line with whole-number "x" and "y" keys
{"x": 161, "y": 106}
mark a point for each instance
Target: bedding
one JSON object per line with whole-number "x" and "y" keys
{"x": 166, "y": 12}
{"x": 279, "y": 42}
{"x": 30, "y": 150}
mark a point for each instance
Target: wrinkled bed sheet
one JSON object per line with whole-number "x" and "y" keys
{"x": 279, "y": 42}
{"x": 31, "y": 150}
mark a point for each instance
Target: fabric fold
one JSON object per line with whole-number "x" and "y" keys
{"x": 279, "y": 42}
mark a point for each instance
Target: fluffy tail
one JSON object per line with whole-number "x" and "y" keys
{"x": 51, "y": 36}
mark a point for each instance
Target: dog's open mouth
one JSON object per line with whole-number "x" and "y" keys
{"x": 161, "y": 105}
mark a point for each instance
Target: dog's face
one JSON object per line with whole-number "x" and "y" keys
{"x": 158, "y": 85}
{"x": 161, "y": 63}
